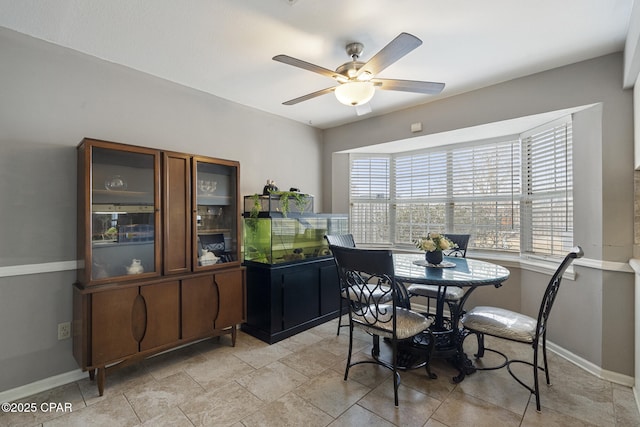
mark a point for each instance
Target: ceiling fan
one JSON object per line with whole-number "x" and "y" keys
{"x": 357, "y": 80}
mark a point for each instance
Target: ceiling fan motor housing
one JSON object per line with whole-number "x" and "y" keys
{"x": 349, "y": 69}
{"x": 354, "y": 50}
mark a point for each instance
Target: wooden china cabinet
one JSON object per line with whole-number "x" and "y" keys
{"x": 158, "y": 234}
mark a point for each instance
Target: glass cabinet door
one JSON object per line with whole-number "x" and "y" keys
{"x": 124, "y": 213}
{"x": 216, "y": 213}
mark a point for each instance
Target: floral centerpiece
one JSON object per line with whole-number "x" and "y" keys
{"x": 433, "y": 245}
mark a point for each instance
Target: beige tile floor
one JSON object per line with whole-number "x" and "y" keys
{"x": 299, "y": 382}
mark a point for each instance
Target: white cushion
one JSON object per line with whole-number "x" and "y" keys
{"x": 372, "y": 294}
{"x": 500, "y": 323}
{"x": 452, "y": 293}
{"x": 408, "y": 323}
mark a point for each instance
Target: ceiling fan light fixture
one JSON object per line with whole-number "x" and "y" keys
{"x": 355, "y": 93}
{"x": 365, "y": 76}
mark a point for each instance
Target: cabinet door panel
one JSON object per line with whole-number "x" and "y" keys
{"x": 111, "y": 325}
{"x": 215, "y": 217}
{"x": 232, "y": 300}
{"x": 118, "y": 212}
{"x": 300, "y": 296}
{"x": 163, "y": 314}
{"x": 199, "y": 306}
{"x": 177, "y": 208}
{"x": 329, "y": 289}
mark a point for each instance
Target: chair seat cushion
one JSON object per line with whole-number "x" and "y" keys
{"x": 501, "y": 323}
{"x": 370, "y": 295}
{"x": 408, "y": 322}
{"x": 452, "y": 293}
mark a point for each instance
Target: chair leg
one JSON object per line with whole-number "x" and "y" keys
{"x": 544, "y": 357}
{"x": 480, "y": 339}
{"x": 339, "y": 318}
{"x": 432, "y": 344}
{"x": 375, "y": 350}
{"x": 346, "y": 371}
{"x": 536, "y": 385}
{"x": 396, "y": 375}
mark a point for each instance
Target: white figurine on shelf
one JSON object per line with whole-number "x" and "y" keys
{"x": 135, "y": 267}
{"x": 208, "y": 258}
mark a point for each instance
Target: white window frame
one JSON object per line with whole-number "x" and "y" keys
{"x": 520, "y": 199}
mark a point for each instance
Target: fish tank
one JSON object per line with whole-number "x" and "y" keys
{"x": 275, "y": 239}
{"x": 278, "y": 204}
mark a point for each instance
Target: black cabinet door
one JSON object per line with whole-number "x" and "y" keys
{"x": 300, "y": 296}
{"x": 329, "y": 289}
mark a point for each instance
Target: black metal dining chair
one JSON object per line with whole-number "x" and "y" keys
{"x": 461, "y": 241}
{"x": 452, "y": 294}
{"x": 514, "y": 326}
{"x": 374, "y": 294}
{"x": 341, "y": 240}
{"x": 345, "y": 240}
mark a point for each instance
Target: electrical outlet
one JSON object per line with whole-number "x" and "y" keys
{"x": 64, "y": 330}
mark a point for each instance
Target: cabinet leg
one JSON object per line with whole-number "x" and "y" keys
{"x": 92, "y": 374}
{"x": 101, "y": 379}
{"x": 234, "y": 333}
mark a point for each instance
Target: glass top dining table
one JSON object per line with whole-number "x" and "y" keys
{"x": 462, "y": 272}
{"x": 468, "y": 273}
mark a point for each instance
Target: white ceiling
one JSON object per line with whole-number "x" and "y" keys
{"x": 224, "y": 47}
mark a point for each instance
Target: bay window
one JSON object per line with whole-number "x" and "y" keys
{"x": 511, "y": 193}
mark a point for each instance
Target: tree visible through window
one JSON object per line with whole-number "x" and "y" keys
{"x": 510, "y": 194}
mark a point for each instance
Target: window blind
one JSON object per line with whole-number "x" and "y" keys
{"x": 548, "y": 199}
{"x": 369, "y": 189}
{"x": 420, "y": 194}
{"x": 463, "y": 189}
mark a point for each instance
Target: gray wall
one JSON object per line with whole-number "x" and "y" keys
{"x": 594, "y": 316}
{"x": 50, "y": 98}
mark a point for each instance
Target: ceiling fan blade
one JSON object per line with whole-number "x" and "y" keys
{"x": 309, "y": 96}
{"x": 285, "y": 59}
{"x": 396, "y": 49}
{"x": 431, "y": 88}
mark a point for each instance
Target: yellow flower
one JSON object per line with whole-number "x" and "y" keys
{"x": 434, "y": 242}
{"x": 428, "y": 245}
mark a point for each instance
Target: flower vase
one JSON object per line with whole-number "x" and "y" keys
{"x": 434, "y": 257}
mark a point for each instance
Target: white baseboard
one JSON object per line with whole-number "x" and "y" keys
{"x": 592, "y": 368}
{"x": 42, "y": 385}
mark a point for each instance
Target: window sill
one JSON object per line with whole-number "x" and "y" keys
{"x": 538, "y": 265}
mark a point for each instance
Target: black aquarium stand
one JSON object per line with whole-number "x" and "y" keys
{"x": 288, "y": 298}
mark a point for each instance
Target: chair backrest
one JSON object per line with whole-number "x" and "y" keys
{"x": 368, "y": 276}
{"x": 462, "y": 240}
{"x": 345, "y": 240}
{"x": 341, "y": 240}
{"x": 552, "y": 289}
